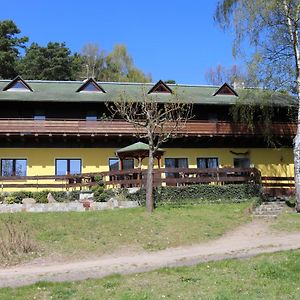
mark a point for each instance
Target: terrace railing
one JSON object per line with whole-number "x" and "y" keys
{"x": 134, "y": 178}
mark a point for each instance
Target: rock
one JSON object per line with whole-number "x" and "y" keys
{"x": 133, "y": 190}
{"x": 28, "y": 201}
{"x": 113, "y": 203}
{"x": 87, "y": 204}
{"x": 84, "y": 196}
{"x": 51, "y": 198}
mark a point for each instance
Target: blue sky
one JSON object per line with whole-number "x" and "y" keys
{"x": 169, "y": 39}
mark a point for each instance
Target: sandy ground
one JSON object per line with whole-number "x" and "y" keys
{"x": 247, "y": 240}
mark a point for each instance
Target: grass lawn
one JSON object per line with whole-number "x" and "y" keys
{"x": 75, "y": 234}
{"x": 272, "y": 276}
{"x": 288, "y": 221}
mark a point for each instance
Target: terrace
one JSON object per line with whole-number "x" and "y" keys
{"x": 272, "y": 186}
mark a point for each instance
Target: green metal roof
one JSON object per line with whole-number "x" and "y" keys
{"x": 139, "y": 146}
{"x": 65, "y": 91}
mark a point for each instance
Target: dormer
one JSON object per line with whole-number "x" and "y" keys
{"x": 225, "y": 90}
{"x": 160, "y": 88}
{"x": 18, "y": 85}
{"x": 90, "y": 86}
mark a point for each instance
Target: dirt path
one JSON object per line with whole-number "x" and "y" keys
{"x": 246, "y": 241}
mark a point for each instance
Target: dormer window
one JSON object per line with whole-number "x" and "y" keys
{"x": 160, "y": 88}
{"x": 18, "y": 85}
{"x": 226, "y": 90}
{"x": 90, "y": 86}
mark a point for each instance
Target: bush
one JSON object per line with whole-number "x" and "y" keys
{"x": 199, "y": 193}
{"x": 2, "y": 196}
{"x": 40, "y": 197}
{"x": 19, "y": 196}
{"x": 60, "y": 196}
{"x": 73, "y": 195}
{"x": 10, "y": 200}
{"x": 103, "y": 195}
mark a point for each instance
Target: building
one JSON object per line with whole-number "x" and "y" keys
{"x": 58, "y": 128}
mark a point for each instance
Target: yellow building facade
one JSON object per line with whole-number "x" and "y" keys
{"x": 41, "y": 161}
{"x": 50, "y": 128}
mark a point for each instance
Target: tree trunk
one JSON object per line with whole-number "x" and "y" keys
{"x": 293, "y": 31}
{"x": 297, "y": 167}
{"x": 149, "y": 183}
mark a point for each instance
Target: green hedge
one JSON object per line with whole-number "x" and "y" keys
{"x": 40, "y": 197}
{"x": 200, "y": 193}
{"x": 163, "y": 195}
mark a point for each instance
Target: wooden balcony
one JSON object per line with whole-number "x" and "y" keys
{"x": 25, "y": 127}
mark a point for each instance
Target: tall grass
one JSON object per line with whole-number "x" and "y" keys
{"x": 16, "y": 239}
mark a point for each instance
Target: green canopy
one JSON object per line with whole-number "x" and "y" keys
{"x": 137, "y": 150}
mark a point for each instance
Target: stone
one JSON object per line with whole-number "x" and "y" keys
{"x": 113, "y": 203}
{"x": 133, "y": 190}
{"x": 50, "y": 198}
{"x": 28, "y": 201}
{"x": 84, "y": 196}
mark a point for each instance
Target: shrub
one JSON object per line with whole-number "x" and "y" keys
{"x": 103, "y": 195}
{"x": 99, "y": 180}
{"x": 199, "y": 193}
{"x": 10, "y": 199}
{"x": 73, "y": 195}
{"x": 60, "y": 196}
{"x": 2, "y": 196}
{"x": 98, "y": 191}
{"x": 19, "y": 196}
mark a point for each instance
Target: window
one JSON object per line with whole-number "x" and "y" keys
{"x": 67, "y": 166}
{"x": 212, "y": 117}
{"x": 160, "y": 87}
{"x": 39, "y": 117}
{"x": 175, "y": 163}
{"x": 18, "y": 84}
{"x": 226, "y": 89}
{"x": 114, "y": 164}
{"x": 91, "y": 118}
{"x": 13, "y": 167}
{"x": 128, "y": 164}
{"x": 207, "y": 162}
{"x": 241, "y": 162}
{"x": 90, "y": 86}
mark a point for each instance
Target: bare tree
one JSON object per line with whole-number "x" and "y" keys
{"x": 221, "y": 74}
{"x": 154, "y": 121}
{"x": 94, "y": 60}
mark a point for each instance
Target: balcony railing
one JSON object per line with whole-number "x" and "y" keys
{"x": 118, "y": 127}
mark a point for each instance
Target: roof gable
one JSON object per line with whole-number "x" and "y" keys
{"x": 160, "y": 87}
{"x": 90, "y": 86}
{"x": 18, "y": 84}
{"x": 226, "y": 89}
